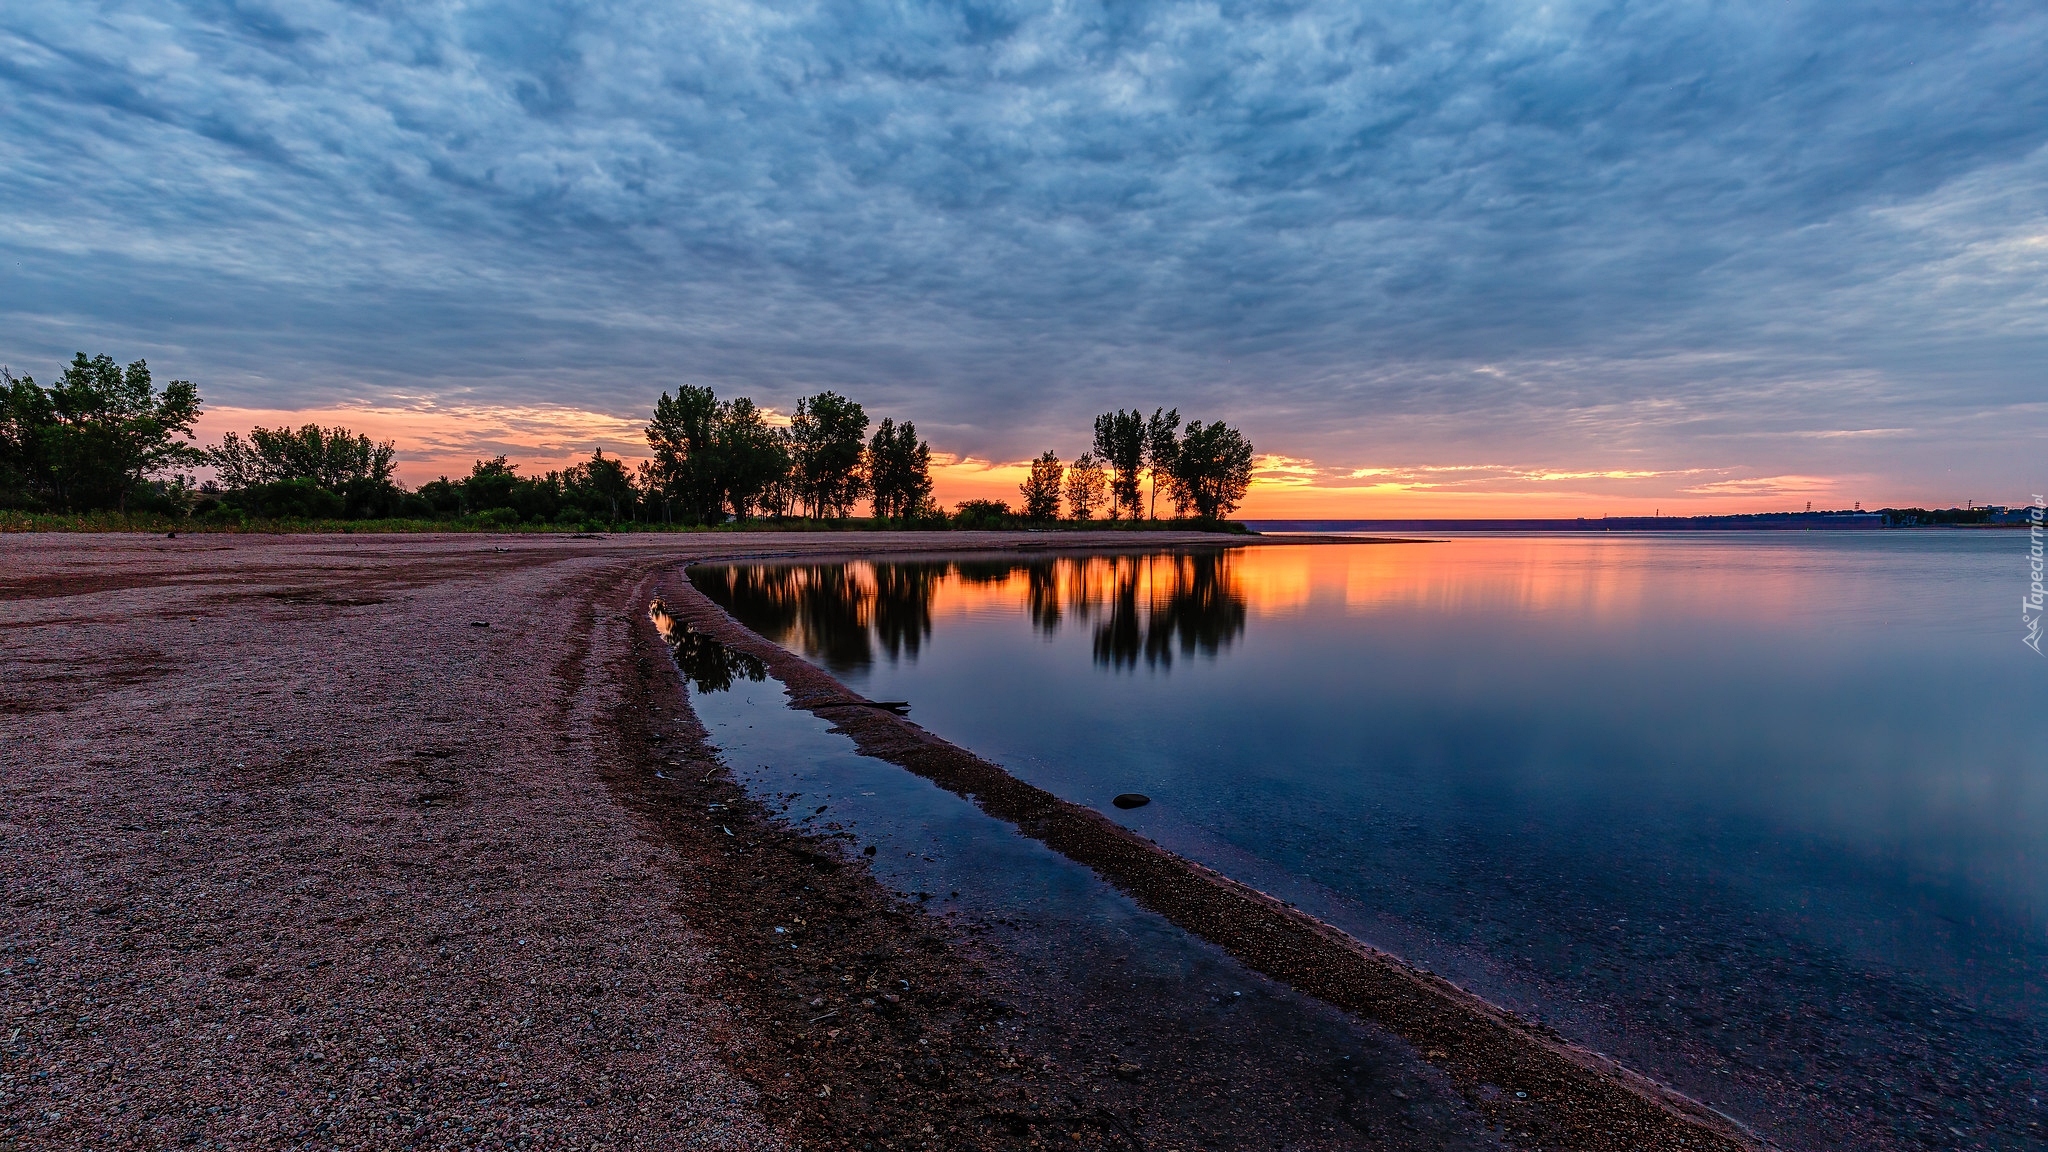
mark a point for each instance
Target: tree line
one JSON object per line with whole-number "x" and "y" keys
{"x": 1204, "y": 469}
{"x": 104, "y": 437}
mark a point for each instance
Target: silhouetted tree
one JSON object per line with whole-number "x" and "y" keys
{"x": 750, "y": 456}
{"x": 1120, "y": 444}
{"x": 899, "y": 471}
{"x": 1041, "y": 491}
{"x": 1086, "y": 487}
{"x": 779, "y": 496}
{"x": 329, "y": 457}
{"x": 682, "y": 435}
{"x": 825, "y": 441}
{"x": 1162, "y": 449}
{"x": 93, "y": 438}
{"x": 599, "y": 487}
{"x": 1212, "y": 470}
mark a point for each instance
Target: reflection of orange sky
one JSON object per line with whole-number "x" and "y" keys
{"x": 446, "y": 439}
{"x": 1597, "y": 578}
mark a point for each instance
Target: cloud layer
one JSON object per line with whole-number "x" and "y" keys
{"x": 1591, "y": 238}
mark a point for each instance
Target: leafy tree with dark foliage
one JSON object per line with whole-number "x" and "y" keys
{"x": 749, "y": 456}
{"x": 1162, "y": 450}
{"x": 1041, "y": 491}
{"x": 1086, "y": 488}
{"x": 899, "y": 471}
{"x": 310, "y": 472}
{"x": 329, "y": 457}
{"x": 683, "y": 435}
{"x": 826, "y": 443}
{"x": 94, "y": 438}
{"x": 1120, "y": 443}
{"x": 599, "y": 488}
{"x": 1212, "y": 470}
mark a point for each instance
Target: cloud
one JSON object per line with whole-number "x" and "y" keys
{"x": 1768, "y": 486}
{"x": 1644, "y": 238}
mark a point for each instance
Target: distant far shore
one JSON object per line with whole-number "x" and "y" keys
{"x": 1762, "y": 522}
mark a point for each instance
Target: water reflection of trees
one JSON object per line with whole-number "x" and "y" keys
{"x": 832, "y": 613}
{"x": 1150, "y": 607}
{"x": 711, "y": 666}
{"x": 1146, "y": 608}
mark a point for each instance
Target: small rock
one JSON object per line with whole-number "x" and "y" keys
{"x": 479, "y": 623}
{"x": 1131, "y": 800}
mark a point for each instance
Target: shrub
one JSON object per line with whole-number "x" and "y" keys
{"x": 289, "y": 499}
{"x": 984, "y": 514}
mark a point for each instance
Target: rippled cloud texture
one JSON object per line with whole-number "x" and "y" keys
{"x": 1575, "y": 249}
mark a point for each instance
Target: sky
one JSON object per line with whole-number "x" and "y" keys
{"x": 1441, "y": 258}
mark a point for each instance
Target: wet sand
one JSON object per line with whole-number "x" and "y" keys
{"x": 359, "y": 841}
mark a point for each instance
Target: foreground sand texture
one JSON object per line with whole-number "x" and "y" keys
{"x": 377, "y": 842}
{"x": 294, "y": 853}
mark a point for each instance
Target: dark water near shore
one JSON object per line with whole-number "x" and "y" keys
{"x": 1100, "y": 981}
{"x": 1766, "y": 817}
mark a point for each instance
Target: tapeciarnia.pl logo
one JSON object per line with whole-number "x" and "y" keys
{"x": 2036, "y": 597}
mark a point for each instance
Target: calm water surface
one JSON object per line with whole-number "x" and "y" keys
{"x": 1765, "y": 815}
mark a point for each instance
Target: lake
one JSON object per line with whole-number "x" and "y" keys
{"x": 1764, "y": 815}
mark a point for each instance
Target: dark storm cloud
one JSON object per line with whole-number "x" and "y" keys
{"x": 1626, "y": 223}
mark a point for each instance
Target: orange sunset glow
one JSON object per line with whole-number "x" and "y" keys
{"x": 440, "y": 440}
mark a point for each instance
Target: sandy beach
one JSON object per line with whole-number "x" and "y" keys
{"x": 402, "y": 841}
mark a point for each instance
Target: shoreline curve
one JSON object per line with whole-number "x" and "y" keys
{"x": 1574, "y": 1095}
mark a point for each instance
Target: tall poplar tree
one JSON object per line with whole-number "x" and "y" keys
{"x": 1120, "y": 443}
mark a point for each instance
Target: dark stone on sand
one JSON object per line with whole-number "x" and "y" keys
{"x": 1131, "y": 800}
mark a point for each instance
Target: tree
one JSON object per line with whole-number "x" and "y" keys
{"x": 1161, "y": 450}
{"x": 1041, "y": 491}
{"x": 780, "y": 494}
{"x": 682, "y": 435}
{"x": 599, "y": 486}
{"x": 1120, "y": 443}
{"x": 1086, "y": 487}
{"x": 751, "y": 457}
{"x": 94, "y": 438}
{"x": 25, "y": 416}
{"x": 826, "y": 438}
{"x": 1213, "y": 469}
{"x": 329, "y": 457}
{"x": 899, "y": 471}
